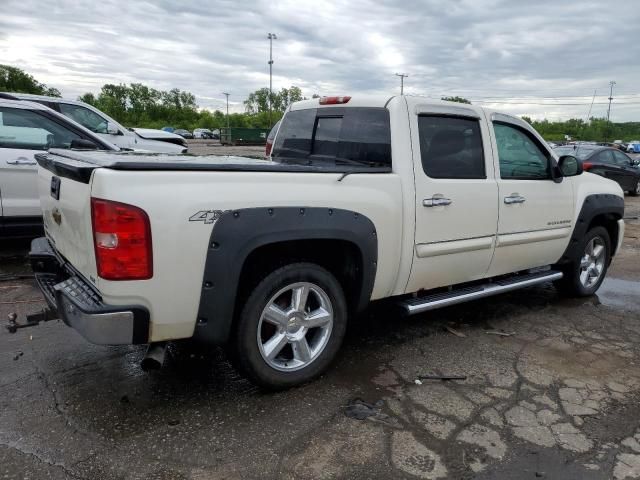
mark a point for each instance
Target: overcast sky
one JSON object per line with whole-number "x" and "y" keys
{"x": 539, "y": 58}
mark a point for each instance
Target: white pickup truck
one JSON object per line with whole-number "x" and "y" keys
{"x": 432, "y": 203}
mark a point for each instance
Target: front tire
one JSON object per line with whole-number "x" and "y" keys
{"x": 635, "y": 192}
{"x": 290, "y": 327}
{"x": 584, "y": 275}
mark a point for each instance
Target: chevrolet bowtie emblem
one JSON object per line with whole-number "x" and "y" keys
{"x": 57, "y": 216}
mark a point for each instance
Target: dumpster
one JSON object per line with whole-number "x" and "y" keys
{"x": 243, "y": 136}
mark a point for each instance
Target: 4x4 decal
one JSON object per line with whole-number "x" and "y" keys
{"x": 206, "y": 216}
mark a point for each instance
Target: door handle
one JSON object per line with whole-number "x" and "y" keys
{"x": 21, "y": 161}
{"x": 514, "y": 198}
{"x": 436, "y": 202}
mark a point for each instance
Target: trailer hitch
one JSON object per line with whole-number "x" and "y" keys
{"x": 33, "y": 319}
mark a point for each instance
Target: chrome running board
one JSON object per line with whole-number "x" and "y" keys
{"x": 465, "y": 294}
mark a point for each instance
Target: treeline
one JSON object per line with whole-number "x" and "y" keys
{"x": 142, "y": 106}
{"x": 596, "y": 129}
{"x": 137, "y": 105}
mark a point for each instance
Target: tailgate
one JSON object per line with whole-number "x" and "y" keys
{"x": 66, "y": 209}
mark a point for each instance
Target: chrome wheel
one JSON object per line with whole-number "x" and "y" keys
{"x": 295, "y": 326}
{"x": 592, "y": 262}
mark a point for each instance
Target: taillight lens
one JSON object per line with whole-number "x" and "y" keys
{"x": 334, "y": 100}
{"x": 122, "y": 240}
{"x": 586, "y": 166}
{"x": 267, "y": 150}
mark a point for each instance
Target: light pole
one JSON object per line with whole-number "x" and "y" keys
{"x": 227, "y": 95}
{"x": 271, "y": 37}
{"x": 611, "y": 84}
{"x": 402, "y": 77}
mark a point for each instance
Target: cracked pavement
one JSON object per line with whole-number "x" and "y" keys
{"x": 557, "y": 399}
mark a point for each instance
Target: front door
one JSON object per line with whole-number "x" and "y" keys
{"x": 536, "y": 212}
{"x": 456, "y": 197}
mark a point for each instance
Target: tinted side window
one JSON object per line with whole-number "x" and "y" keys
{"x": 451, "y": 147}
{"x": 335, "y": 135}
{"x": 620, "y": 158}
{"x": 605, "y": 156}
{"x": 520, "y": 155}
{"x": 85, "y": 117}
{"x": 26, "y": 129}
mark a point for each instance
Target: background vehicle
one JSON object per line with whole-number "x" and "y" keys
{"x": 243, "y": 136}
{"x": 183, "y": 133}
{"x": 271, "y": 138}
{"x": 432, "y": 203}
{"x": 108, "y": 129}
{"x": 633, "y": 147}
{"x": 27, "y": 128}
{"x": 202, "y": 133}
{"x": 608, "y": 162}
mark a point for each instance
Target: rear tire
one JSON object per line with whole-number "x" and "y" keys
{"x": 584, "y": 275}
{"x": 290, "y": 327}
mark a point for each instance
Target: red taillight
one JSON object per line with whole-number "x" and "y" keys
{"x": 267, "y": 150}
{"x": 334, "y": 100}
{"x": 586, "y": 166}
{"x": 122, "y": 239}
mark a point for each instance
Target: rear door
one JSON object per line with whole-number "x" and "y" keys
{"x": 21, "y": 137}
{"x": 536, "y": 213}
{"x": 456, "y": 196}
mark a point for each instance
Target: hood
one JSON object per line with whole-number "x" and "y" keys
{"x": 153, "y": 134}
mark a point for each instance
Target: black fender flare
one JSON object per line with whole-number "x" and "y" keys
{"x": 593, "y": 205}
{"x": 237, "y": 233}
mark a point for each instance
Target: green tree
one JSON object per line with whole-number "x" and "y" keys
{"x": 13, "y": 79}
{"x": 456, "y": 99}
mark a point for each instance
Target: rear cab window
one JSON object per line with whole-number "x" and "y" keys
{"x": 335, "y": 136}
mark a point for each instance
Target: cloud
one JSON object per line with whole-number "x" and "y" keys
{"x": 513, "y": 55}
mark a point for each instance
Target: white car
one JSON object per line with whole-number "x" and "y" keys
{"x": 427, "y": 203}
{"x": 27, "y": 128}
{"x": 110, "y": 130}
{"x": 202, "y": 133}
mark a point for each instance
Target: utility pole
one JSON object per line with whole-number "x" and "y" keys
{"x": 271, "y": 37}
{"x": 611, "y": 84}
{"x": 224, "y": 93}
{"x": 402, "y": 77}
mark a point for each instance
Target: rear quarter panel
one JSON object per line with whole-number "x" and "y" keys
{"x": 170, "y": 198}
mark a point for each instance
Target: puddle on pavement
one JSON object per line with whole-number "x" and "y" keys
{"x": 615, "y": 292}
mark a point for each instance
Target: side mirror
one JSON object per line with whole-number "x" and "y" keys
{"x": 82, "y": 144}
{"x": 635, "y": 162}
{"x": 569, "y": 166}
{"x": 112, "y": 129}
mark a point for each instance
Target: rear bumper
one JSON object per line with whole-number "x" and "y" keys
{"x": 80, "y": 306}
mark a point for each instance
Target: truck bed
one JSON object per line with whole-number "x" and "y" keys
{"x": 78, "y": 164}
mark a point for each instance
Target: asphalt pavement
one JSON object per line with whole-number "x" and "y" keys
{"x": 550, "y": 390}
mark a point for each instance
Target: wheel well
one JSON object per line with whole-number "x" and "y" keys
{"x": 610, "y": 222}
{"x": 340, "y": 257}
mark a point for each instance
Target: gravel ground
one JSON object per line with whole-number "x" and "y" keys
{"x": 213, "y": 147}
{"x": 557, "y": 398}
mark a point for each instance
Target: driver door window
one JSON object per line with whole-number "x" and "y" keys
{"x": 85, "y": 117}
{"x": 28, "y": 130}
{"x": 520, "y": 156}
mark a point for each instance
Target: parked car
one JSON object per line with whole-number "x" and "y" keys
{"x": 270, "y": 139}
{"x": 430, "y": 203}
{"x": 633, "y": 147}
{"x": 183, "y": 133}
{"x": 107, "y": 128}
{"x": 168, "y": 129}
{"x": 27, "y": 128}
{"x": 204, "y": 133}
{"x": 608, "y": 162}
